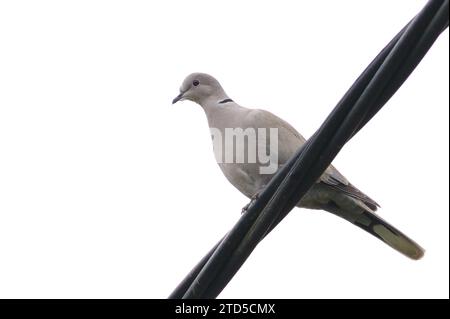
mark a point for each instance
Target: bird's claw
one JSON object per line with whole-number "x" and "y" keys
{"x": 252, "y": 200}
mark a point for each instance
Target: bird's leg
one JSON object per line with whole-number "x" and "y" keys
{"x": 256, "y": 195}
{"x": 252, "y": 200}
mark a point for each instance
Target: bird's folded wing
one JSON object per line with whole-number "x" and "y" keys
{"x": 290, "y": 140}
{"x": 349, "y": 190}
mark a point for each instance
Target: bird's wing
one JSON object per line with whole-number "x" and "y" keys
{"x": 334, "y": 179}
{"x": 355, "y": 193}
{"x": 331, "y": 176}
{"x": 289, "y": 140}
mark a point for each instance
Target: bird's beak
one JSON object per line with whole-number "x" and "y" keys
{"x": 179, "y": 97}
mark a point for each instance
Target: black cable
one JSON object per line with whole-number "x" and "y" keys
{"x": 365, "y": 98}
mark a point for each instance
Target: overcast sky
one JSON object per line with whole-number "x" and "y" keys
{"x": 107, "y": 190}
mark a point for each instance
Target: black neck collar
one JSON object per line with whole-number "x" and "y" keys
{"x": 225, "y": 101}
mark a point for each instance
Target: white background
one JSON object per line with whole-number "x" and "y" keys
{"x": 107, "y": 190}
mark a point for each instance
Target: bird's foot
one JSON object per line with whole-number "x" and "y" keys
{"x": 252, "y": 200}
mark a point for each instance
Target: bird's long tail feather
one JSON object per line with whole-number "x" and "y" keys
{"x": 381, "y": 229}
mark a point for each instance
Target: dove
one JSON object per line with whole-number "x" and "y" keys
{"x": 332, "y": 192}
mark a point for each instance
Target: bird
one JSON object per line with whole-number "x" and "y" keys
{"x": 332, "y": 192}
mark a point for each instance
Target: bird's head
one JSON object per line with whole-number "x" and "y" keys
{"x": 199, "y": 88}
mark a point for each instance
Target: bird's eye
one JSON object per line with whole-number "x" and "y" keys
{"x": 195, "y": 83}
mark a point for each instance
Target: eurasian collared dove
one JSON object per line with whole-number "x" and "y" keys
{"x": 332, "y": 192}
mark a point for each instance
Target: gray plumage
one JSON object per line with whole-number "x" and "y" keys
{"x": 332, "y": 192}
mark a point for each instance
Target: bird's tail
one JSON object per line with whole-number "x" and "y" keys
{"x": 381, "y": 229}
